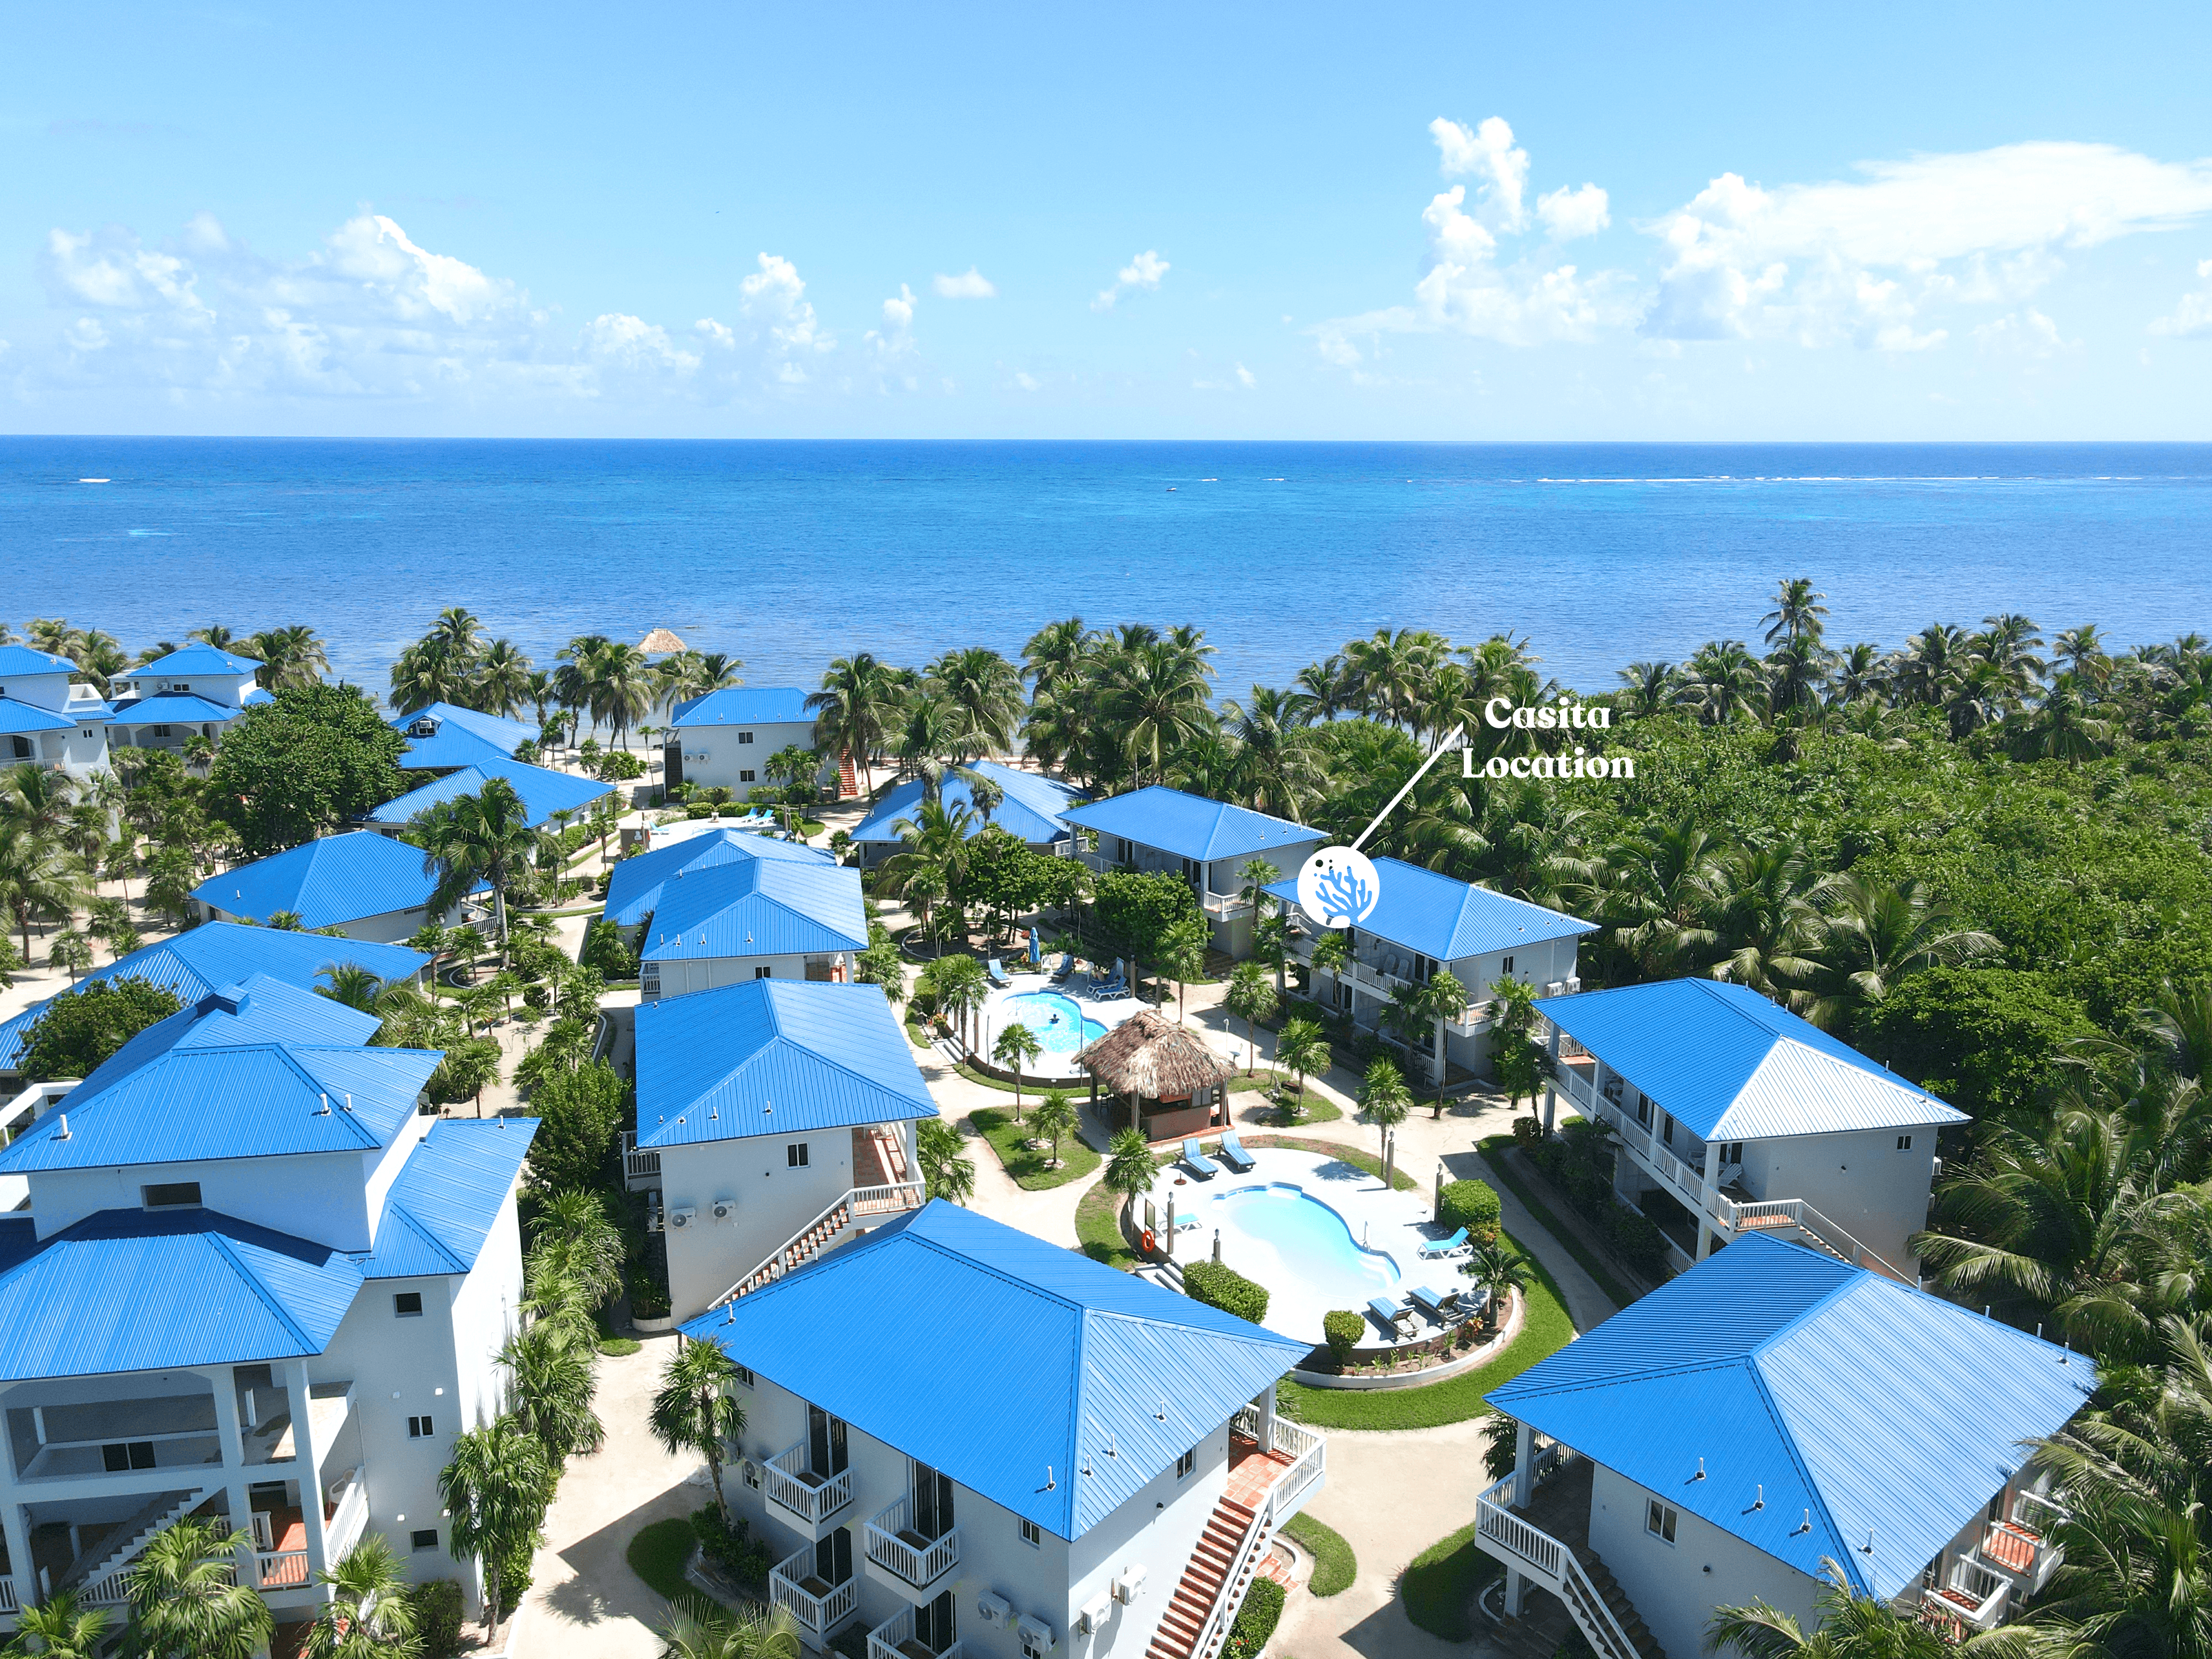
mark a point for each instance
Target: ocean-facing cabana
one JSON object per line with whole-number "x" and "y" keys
{"x": 1172, "y": 1083}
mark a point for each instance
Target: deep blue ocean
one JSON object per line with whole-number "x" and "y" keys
{"x": 787, "y": 554}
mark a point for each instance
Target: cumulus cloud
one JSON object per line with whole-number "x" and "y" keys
{"x": 971, "y": 285}
{"x": 1488, "y": 154}
{"x": 1144, "y": 271}
{"x": 2023, "y": 333}
{"x": 1863, "y": 261}
{"x": 1568, "y": 214}
{"x": 2193, "y": 316}
{"x": 894, "y": 341}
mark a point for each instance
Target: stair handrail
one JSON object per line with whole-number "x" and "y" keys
{"x": 1554, "y": 1566}
{"x": 1214, "y": 1629}
{"x": 159, "y": 1516}
{"x": 852, "y": 1196}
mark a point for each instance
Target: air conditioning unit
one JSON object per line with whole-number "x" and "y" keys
{"x": 1557, "y": 988}
{"x": 1092, "y": 1618}
{"x": 1130, "y": 1585}
{"x": 993, "y": 1609}
{"x": 1574, "y": 984}
{"x": 1036, "y": 1637}
{"x": 683, "y": 1218}
{"x": 724, "y": 1207}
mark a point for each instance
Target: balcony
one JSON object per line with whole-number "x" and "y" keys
{"x": 638, "y": 1168}
{"x": 1974, "y": 1596}
{"x": 894, "y": 1639}
{"x": 1222, "y": 907}
{"x": 901, "y": 1556}
{"x": 813, "y": 1498}
{"x": 818, "y": 1606}
{"x": 2021, "y": 1546}
{"x": 271, "y": 1439}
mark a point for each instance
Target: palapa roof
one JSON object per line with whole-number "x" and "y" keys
{"x": 659, "y": 639}
{"x": 1148, "y": 1056}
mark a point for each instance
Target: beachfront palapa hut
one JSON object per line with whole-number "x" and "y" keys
{"x": 1173, "y": 1082}
{"x": 659, "y": 643}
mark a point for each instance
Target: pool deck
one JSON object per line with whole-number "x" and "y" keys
{"x": 1106, "y": 1011}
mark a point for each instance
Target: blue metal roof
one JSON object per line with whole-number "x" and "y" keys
{"x": 336, "y": 879}
{"x": 1031, "y": 809}
{"x": 1858, "y": 1407}
{"x": 135, "y": 1291}
{"x": 544, "y": 792}
{"x": 197, "y": 660}
{"x": 463, "y": 737}
{"x": 19, "y": 660}
{"x": 746, "y": 705}
{"x": 1189, "y": 826}
{"x": 995, "y": 1357}
{"x": 170, "y": 708}
{"x": 17, "y": 717}
{"x": 759, "y": 908}
{"x": 634, "y": 891}
{"x": 772, "y": 1056}
{"x": 1732, "y": 1066}
{"x": 1447, "y": 918}
{"x": 218, "y": 953}
{"x": 440, "y": 1209}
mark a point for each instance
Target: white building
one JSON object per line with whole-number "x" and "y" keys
{"x": 255, "y": 1284}
{"x": 372, "y": 886}
{"x": 47, "y": 719}
{"x": 960, "y": 1436}
{"x": 723, "y": 739}
{"x": 773, "y": 1116}
{"x": 1766, "y": 1414}
{"x": 1029, "y": 808}
{"x": 1747, "y": 1119}
{"x": 195, "y": 692}
{"x": 756, "y": 915}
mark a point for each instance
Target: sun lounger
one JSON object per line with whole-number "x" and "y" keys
{"x": 1234, "y": 1155}
{"x": 1442, "y": 1306}
{"x": 1195, "y": 1160}
{"x": 998, "y": 974}
{"x": 1066, "y": 967}
{"x": 1438, "y": 1246}
{"x": 1394, "y": 1321}
{"x": 1114, "y": 986}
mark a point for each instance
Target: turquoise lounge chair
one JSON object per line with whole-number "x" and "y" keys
{"x": 1195, "y": 1160}
{"x": 1394, "y": 1321}
{"x": 1234, "y": 1155}
{"x": 1438, "y": 1246}
{"x": 1442, "y": 1306}
{"x": 998, "y": 974}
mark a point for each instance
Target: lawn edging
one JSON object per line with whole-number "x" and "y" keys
{"x": 1334, "y": 1565}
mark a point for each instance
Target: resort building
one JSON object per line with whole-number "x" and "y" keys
{"x": 1735, "y": 1116}
{"x": 1207, "y": 843}
{"x": 443, "y": 735}
{"x": 1040, "y": 1456}
{"x": 1030, "y": 808}
{"x": 1170, "y": 1084}
{"x": 543, "y": 792}
{"x": 1423, "y": 924}
{"x": 1768, "y": 1413}
{"x": 256, "y": 1283}
{"x": 46, "y": 718}
{"x": 218, "y": 953}
{"x": 723, "y": 739}
{"x": 367, "y": 886}
{"x": 774, "y": 1120}
{"x": 195, "y": 692}
{"x": 761, "y": 917}
{"x": 637, "y": 885}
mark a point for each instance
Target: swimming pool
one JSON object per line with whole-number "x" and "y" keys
{"x": 1300, "y": 1248}
{"x": 1058, "y": 1020}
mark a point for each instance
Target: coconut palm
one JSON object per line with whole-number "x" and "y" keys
{"x": 494, "y": 1490}
{"x": 501, "y": 680}
{"x": 947, "y": 1171}
{"x": 1056, "y": 656}
{"x": 1931, "y": 663}
{"x": 1054, "y": 1121}
{"x": 1274, "y": 766}
{"x": 1798, "y": 613}
{"x": 1157, "y": 699}
{"x": 961, "y": 989}
{"x": 370, "y": 1614}
{"x": 185, "y": 1599}
{"x": 696, "y": 1631}
{"x": 856, "y": 710}
{"x": 2063, "y": 729}
{"x": 933, "y": 844}
{"x": 1016, "y": 1048}
{"x": 1723, "y": 683}
{"x": 1183, "y": 954}
{"x": 57, "y": 1628}
{"x": 549, "y": 1389}
{"x": 1760, "y": 927}
{"x": 471, "y": 839}
{"x": 577, "y": 1238}
{"x": 2179, "y": 1023}
{"x": 1384, "y": 1097}
{"x": 1499, "y": 1268}
{"x": 70, "y": 951}
{"x": 1874, "y": 935}
{"x": 1646, "y": 688}
{"x": 1130, "y": 1167}
{"x": 1251, "y": 998}
{"x": 1853, "y": 1626}
{"x": 984, "y": 692}
{"x": 1300, "y": 1050}
{"x": 41, "y": 880}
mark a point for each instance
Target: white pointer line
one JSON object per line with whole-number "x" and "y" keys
{"x": 1458, "y": 731}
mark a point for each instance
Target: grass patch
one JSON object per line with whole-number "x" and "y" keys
{"x": 1545, "y": 1329}
{"x": 1100, "y": 1232}
{"x": 916, "y": 1036}
{"x": 614, "y": 1347}
{"x": 1334, "y": 1566}
{"x": 1400, "y": 1181}
{"x": 1493, "y": 1154}
{"x": 1029, "y": 1170}
{"x": 1439, "y": 1587}
{"x": 659, "y": 1555}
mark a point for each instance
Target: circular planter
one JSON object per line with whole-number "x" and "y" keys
{"x": 1481, "y": 1355}
{"x": 653, "y": 1326}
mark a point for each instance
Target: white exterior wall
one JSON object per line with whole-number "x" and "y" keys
{"x": 317, "y": 1196}
{"x": 717, "y": 757}
{"x": 772, "y": 1201}
{"x": 1667, "y": 1583}
{"x": 1863, "y": 1182}
{"x": 1157, "y": 1529}
{"x": 392, "y": 928}
{"x": 684, "y": 975}
{"x": 228, "y": 689}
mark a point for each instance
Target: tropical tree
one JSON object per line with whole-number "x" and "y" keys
{"x": 1384, "y": 1097}
{"x": 693, "y": 1410}
{"x": 961, "y": 988}
{"x": 696, "y": 1630}
{"x": 185, "y": 1599}
{"x": 551, "y": 1386}
{"x": 70, "y": 951}
{"x": 1851, "y": 1626}
{"x": 57, "y": 1628}
{"x": 1499, "y": 1268}
{"x": 483, "y": 839}
{"x": 39, "y": 878}
{"x": 1797, "y": 614}
{"x": 370, "y": 1614}
{"x": 1251, "y": 998}
{"x": 983, "y": 692}
{"x": 1130, "y": 1169}
{"x": 947, "y": 1171}
{"x": 1016, "y": 1048}
{"x": 1183, "y": 954}
{"x": 1300, "y": 1050}
{"x": 494, "y": 1490}
{"x": 1874, "y": 934}
{"x": 1054, "y": 1119}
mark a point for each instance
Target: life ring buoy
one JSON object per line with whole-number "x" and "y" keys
{"x": 1151, "y": 1244}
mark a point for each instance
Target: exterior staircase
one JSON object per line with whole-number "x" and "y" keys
{"x": 116, "y": 1552}
{"x": 848, "y": 779}
{"x": 1624, "y": 1611}
{"x": 1203, "y": 1583}
{"x": 850, "y": 1214}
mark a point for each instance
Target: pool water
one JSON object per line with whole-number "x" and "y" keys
{"x": 1298, "y": 1247}
{"x": 1057, "y": 1020}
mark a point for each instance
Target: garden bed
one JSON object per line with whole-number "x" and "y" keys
{"x": 1319, "y": 1370}
{"x": 1028, "y": 1166}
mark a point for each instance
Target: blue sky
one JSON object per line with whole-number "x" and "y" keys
{"x": 1437, "y": 223}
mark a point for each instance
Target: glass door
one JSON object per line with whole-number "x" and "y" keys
{"x": 933, "y": 1624}
{"x": 825, "y": 1441}
{"x": 932, "y": 1501}
{"x": 833, "y": 1557}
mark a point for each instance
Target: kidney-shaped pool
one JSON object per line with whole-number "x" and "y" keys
{"x": 1299, "y": 1248}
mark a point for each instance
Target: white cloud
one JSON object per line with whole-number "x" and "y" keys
{"x": 1568, "y": 214}
{"x": 634, "y": 346}
{"x": 895, "y": 341}
{"x": 1143, "y": 272}
{"x": 1024, "y": 379}
{"x": 1489, "y": 154}
{"x": 2193, "y": 318}
{"x": 973, "y": 284}
{"x": 1246, "y": 378}
{"x": 898, "y": 310}
{"x": 1861, "y": 260}
{"x": 2025, "y": 332}
{"x": 1240, "y": 379}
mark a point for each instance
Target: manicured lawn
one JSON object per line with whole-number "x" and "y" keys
{"x": 1095, "y": 1225}
{"x": 1546, "y": 1330}
{"x": 1439, "y": 1587}
{"x": 916, "y": 1036}
{"x": 1334, "y": 1566}
{"x": 1029, "y": 1170}
{"x": 1400, "y": 1181}
{"x": 659, "y": 1555}
{"x": 616, "y": 1346}
{"x": 1493, "y": 1154}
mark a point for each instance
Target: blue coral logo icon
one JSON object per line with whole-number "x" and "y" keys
{"x": 1338, "y": 887}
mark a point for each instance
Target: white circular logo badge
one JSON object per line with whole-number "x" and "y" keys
{"x": 1338, "y": 887}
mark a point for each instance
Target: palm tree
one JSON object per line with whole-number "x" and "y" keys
{"x": 1932, "y": 661}
{"x": 1274, "y": 766}
{"x": 471, "y": 839}
{"x": 1056, "y": 655}
{"x": 1183, "y": 954}
{"x": 39, "y": 878}
{"x": 2179, "y": 1022}
{"x": 1130, "y": 1169}
{"x": 1499, "y": 1268}
{"x": 1853, "y": 1626}
{"x": 551, "y": 1387}
{"x": 1724, "y": 682}
{"x": 1760, "y": 927}
{"x": 59, "y": 1627}
{"x": 984, "y": 692}
{"x": 370, "y": 1615}
{"x": 1300, "y": 1050}
{"x": 947, "y": 1171}
{"x": 1798, "y": 613}
{"x": 70, "y": 951}
{"x": 1876, "y": 935}
{"x": 1384, "y": 1097}
{"x": 502, "y": 679}
{"x": 855, "y": 710}
{"x": 185, "y": 1599}
{"x": 934, "y": 845}
{"x": 493, "y": 1489}
{"x": 697, "y": 1630}
{"x": 1251, "y": 998}
{"x": 1054, "y": 1119}
{"x": 1016, "y": 1046}
{"x": 961, "y": 989}
{"x": 1646, "y": 688}
{"x": 2063, "y": 729}
{"x": 1157, "y": 700}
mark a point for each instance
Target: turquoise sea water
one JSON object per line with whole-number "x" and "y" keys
{"x": 787, "y": 554}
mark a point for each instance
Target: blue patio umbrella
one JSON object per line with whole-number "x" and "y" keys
{"x": 1036, "y": 955}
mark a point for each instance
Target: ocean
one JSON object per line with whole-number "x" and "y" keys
{"x": 787, "y": 554}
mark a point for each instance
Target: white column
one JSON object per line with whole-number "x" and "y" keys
{"x": 227, "y": 1429}
{"x": 1525, "y": 1486}
{"x": 1551, "y": 1085}
{"x": 1705, "y": 1199}
{"x": 309, "y": 1465}
{"x": 19, "y": 1546}
{"x": 1265, "y": 1403}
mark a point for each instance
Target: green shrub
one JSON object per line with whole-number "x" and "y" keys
{"x": 514, "y": 1580}
{"x": 605, "y": 949}
{"x": 1255, "y": 1620}
{"x": 1528, "y": 1131}
{"x": 1342, "y": 1329}
{"x": 648, "y": 1297}
{"x": 1226, "y": 1289}
{"x": 1472, "y": 1205}
{"x": 732, "y": 1548}
{"x": 437, "y": 1617}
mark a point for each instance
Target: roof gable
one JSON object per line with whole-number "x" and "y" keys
{"x": 18, "y": 717}
{"x": 336, "y": 879}
{"x": 636, "y": 888}
{"x": 746, "y": 705}
{"x": 1032, "y": 808}
{"x": 462, "y": 737}
{"x": 759, "y": 908}
{"x": 440, "y": 1209}
{"x": 543, "y": 791}
{"x": 1442, "y": 917}
{"x": 22, "y": 661}
{"x": 171, "y": 709}
{"x": 197, "y": 660}
{"x": 1190, "y": 826}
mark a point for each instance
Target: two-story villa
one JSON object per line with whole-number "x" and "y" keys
{"x": 45, "y": 717}
{"x": 1029, "y": 809}
{"x": 1766, "y": 1415}
{"x": 195, "y": 692}
{"x": 256, "y": 1283}
{"x": 774, "y": 1118}
{"x": 370, "y": 886}
{"x": 975, "y": 1445}
{"x": 1423, "y": 923}
{"x": 1207, "y": 843}
{"x": 1747, "y": 1119}
{"x": 758, "y": 915}
{"x": 444, "y": 737}
{"x": 723, "y": 739}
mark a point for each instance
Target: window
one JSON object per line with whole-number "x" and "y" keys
{"x": 172, "y": 1195}
{"x": 1733, "y": 1153}
{"x": 419, "y": 1428}
{"x": 124, "y": 1455}
{"x": 1659, "y": 1522}
{"x": 407, "y": 1305}
{"x": 764, "y": 973}
{"x": 745, "y": 775}
{"x": 1032, "y": 1534}
{"x": 423, "y": 1538}
{"x": 743, "y": 1376}
{"x": 1509, "y": 967}
{"x": 794, "y": 1156}
{"x": 744, "y": 737}
{"x": 1187, "y": 1462}
{"x": 1904, "y": 1143}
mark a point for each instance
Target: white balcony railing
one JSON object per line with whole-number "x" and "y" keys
{"x": 1974, "y": 1594}
{"x": 9, "y": 1601}
{"x": 813, "y": 1497}
{"x": 894, "y": 1545}
{"x": 2022, "y": 1546}
{"x": 894, "y": 1639}
{"x": 636, "y": 1165}
{"x": 348, "y": 1516}
{"x": 1224, "y": 905}
{"x": 818, "y": 1606}
{"x": 1537, "y": 1555}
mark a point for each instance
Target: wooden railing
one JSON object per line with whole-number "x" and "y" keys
{"x": 918, "y": 1566}
{"x": 817, "y": 1614}
{"x": 1537, "y": 1555}
{"x": 813, "y": 1497}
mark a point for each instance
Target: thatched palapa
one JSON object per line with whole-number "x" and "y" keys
{"x": 658, "y": 642}
{"x": 1169, "y": 1078}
